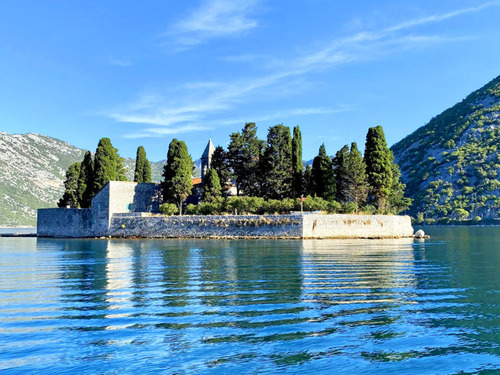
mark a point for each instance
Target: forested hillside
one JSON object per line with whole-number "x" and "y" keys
{"x": 451, "y": 165}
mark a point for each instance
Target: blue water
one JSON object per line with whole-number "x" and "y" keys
{"x": 252, "y": 307}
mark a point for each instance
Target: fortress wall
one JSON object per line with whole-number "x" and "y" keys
{"x": 356, "y": 226}
{"x": 64, "y": 222}
{"x": 279, "y": 226}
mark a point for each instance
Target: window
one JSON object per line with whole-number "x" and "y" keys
{"x": 130, "y": 206}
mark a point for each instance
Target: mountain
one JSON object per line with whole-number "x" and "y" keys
{"x": 451, "y": 166}
{"x": 32, "y": 170}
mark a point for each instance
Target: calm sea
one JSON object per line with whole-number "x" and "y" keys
{"x": 252, "y": 307}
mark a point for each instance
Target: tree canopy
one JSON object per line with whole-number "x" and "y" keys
{"x": 108, "y": 165}
{"x": 142, "y": 172}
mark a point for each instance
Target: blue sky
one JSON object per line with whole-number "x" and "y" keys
{"x": 145, "y": 72}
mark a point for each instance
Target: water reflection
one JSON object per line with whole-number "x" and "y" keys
{"x": 249, "y": 306}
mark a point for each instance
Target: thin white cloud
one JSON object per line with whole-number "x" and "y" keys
{"x": 198, "y": 102}
{"x": 215, "y": 19}
{"x": 119, "y": 62}
{"x": 155, "y": 132}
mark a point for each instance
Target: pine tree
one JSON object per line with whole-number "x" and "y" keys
{"x": 177, "y": 174}
{"x": 70, "y": 196}
{"x": 340, "y": 169}
{"x": 211, "y": 188}
{"x": 108, "y": 165}
{"x": 276, "y": 164}
{"x": 297, "y": 164}
{"x": 220, "y": 164}
{"x": 357, "y": 181}
{"x": 378, "y": 167}
{"x": 244, "y": 153}
{"x": 323, "y": 180}
{"x": 142, "y": 173}
{"x": 85, "y": 181}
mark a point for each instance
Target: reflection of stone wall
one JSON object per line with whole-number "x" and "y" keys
{"x": 286, "y": 226}
{"x": 356, "y": 226}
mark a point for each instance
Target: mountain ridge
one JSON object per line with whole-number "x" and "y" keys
{"x": 451, "y": 165}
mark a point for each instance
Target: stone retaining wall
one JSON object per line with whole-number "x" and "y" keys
{"x": 69, "y": 222}
{"x": 277, "y": 226}
{"x": 356, "y": 226}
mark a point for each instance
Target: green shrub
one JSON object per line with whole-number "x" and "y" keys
{"x": 169, "y": 209}
{"x": 349, "y": 208}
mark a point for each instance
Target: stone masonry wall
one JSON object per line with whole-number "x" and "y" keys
{"x": 278, "y": 226}
{"x": 64, "y": 222}
{"x": 356, "y": 226}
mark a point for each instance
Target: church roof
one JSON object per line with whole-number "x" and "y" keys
{"x": 209, "y": 150}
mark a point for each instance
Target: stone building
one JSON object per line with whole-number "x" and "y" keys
{"x": 206, "y": 159}
{"x": 116, "y": 197}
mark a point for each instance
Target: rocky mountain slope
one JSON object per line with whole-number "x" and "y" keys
{"x": 32, "y": 171}
{"x": 451, "y": 165}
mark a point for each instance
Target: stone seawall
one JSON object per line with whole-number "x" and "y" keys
{"x": 248, "y": 226}
{"x": 274, "y": 226}
{"x": 68, "y": 222}
{"x": 356, "y": 226}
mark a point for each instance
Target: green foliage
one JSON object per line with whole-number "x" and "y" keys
{"x": 220, "y": 163}
{"x": 211, "y": 187}
{"x": 169, "y": 209}
{"x": 142, "y": 172}
{"x": 378, "y": 167}
{"x": 297, "y": 164}
{"x": 349, "y": 207}
{"x": 85, "y": 181}
{"x": 70, "y": 196}
{"x": 177, "y": 173}
{"x": 276, "y": 164}
{"x": 244, "y": 152}
{"x": 341, "y": 172}
{"x": 357, "y": 186}
{"x": 322, "y": 177}
{"x": 108, "y": 165}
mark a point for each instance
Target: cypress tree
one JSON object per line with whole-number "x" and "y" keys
{"x": 397, "y": 201}
{"x": 323, "y": 180}
{"x": 276, "y": 164}
{"x": 378, "y": 167}
{"x": 357, "y": 182}
{"x": 307, "y": 181}
{"x": 244, "y": 153}
{"x": 70, "y": 196}
{"x": 341, "y": 173}
{"x": 211, "y": 188}
{"x": 142, "y": 172}
{"x": 177, "y": 174}
{"x": 297, "y": 164}
{"x": 85, "y": 181}
{"x": 108, "y": 165}
{"x": 220, "y": 164}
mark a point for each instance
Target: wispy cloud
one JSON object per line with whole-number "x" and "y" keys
{"x": 215, "y": 19}
{"x": 119, "y": 62}
{"x": 199, "y": 103}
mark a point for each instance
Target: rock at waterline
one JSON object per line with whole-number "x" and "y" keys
{"x": 420, "y": 234}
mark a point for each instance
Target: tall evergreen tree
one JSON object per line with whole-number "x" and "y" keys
{"x": 276, "y": 164}
{"x": 357, "y": 181}
{"x": 211, "y": 188}
{"x": 340, "y": 169}
{"x": 220, "y": 164}
{"x": 397, "y": 202}
{"x": 85, "y": 181}
{"x": 142, "y": 172}
{"x": 297, "y": 164}
{"x": 70, "y": 196}
{"x": 307, "y": 181}
{"x": 323, "y": 180}
{"x": 177, "y": 174}
{"x": 108, "y": 165}
{"x": 244, "y": 153}
{"x": 378, "y": 167}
